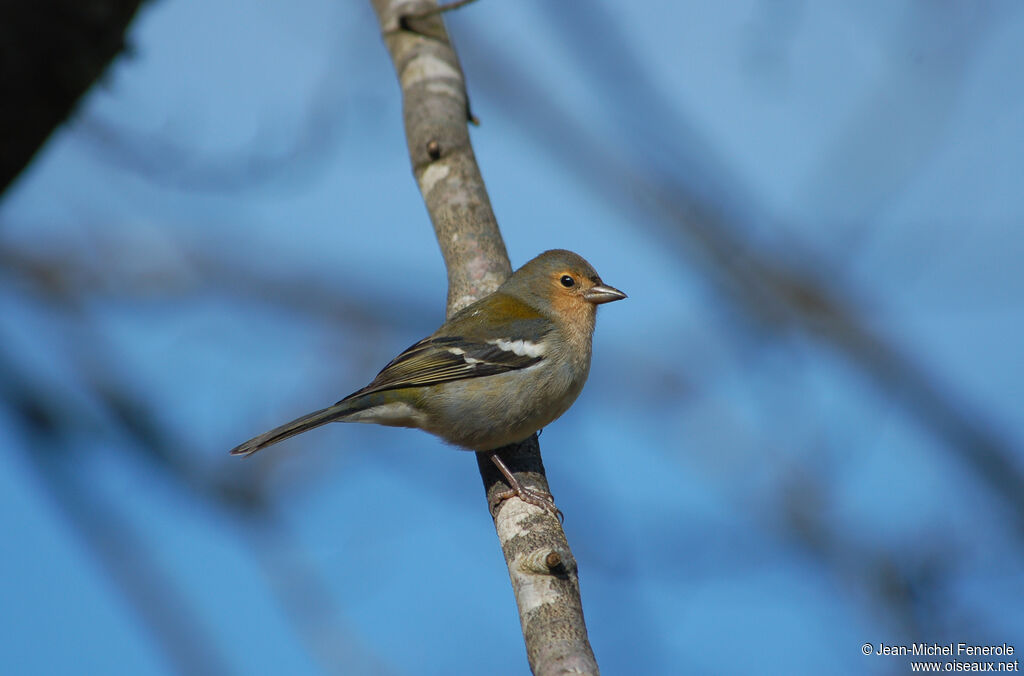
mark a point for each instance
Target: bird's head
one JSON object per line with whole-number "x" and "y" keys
{"x": 562, "y": 283}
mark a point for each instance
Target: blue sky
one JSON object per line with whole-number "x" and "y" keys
{"x": 739, "y": 492}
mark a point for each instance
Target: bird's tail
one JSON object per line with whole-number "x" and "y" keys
{"x": 297, "y": 426}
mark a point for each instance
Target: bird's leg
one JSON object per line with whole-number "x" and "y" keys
{"x": 516, "y": 489}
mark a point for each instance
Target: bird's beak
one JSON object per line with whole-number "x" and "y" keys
{"x": 602, "y": 293}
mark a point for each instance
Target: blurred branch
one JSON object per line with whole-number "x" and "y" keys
{"x": 679, "y": 195}
{"x": 163, "y": 158}
{"x": 51, "y": 53}
{"x": 49, "y": 445}
{"x": 53, "y": 424}
{"x": 181, "y": 271}
{"x": 909, "y": 583}
{"x": 436, "y": 109}
{"x": 904, "y": 119}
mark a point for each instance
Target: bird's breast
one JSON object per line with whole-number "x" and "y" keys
{"x": 493, "y": 411}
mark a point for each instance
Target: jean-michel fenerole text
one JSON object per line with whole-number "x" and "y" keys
{"x": 943, "y": 649}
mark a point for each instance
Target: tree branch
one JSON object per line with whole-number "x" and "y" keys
{"x": 436, "y": 109}
{"x": 50, "y": 54}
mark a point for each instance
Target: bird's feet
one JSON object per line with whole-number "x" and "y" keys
{"x": 516, "y": 489}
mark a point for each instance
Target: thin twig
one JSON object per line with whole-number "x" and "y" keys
{"x": 440, "y": 9}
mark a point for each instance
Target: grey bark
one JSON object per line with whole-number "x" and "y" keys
{"x": 436, "y": 110}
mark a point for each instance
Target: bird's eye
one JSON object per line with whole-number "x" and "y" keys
{"x": 567, "y": 281}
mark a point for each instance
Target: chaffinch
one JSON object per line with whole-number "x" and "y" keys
{"x": 496, "y": 372}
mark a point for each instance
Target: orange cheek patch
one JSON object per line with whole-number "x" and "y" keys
{"x": 577, "y": 313}
{"x": 566, "y": 303}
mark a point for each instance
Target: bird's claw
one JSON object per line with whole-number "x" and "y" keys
{"x": 531, "y": 496}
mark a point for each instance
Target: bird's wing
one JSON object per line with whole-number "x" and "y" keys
{"x": 440, "y": 359}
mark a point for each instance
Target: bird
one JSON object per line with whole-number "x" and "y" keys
{"x": 493, "y": 374}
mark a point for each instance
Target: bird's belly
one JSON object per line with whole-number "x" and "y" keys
{"x": 482, "y": 414}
